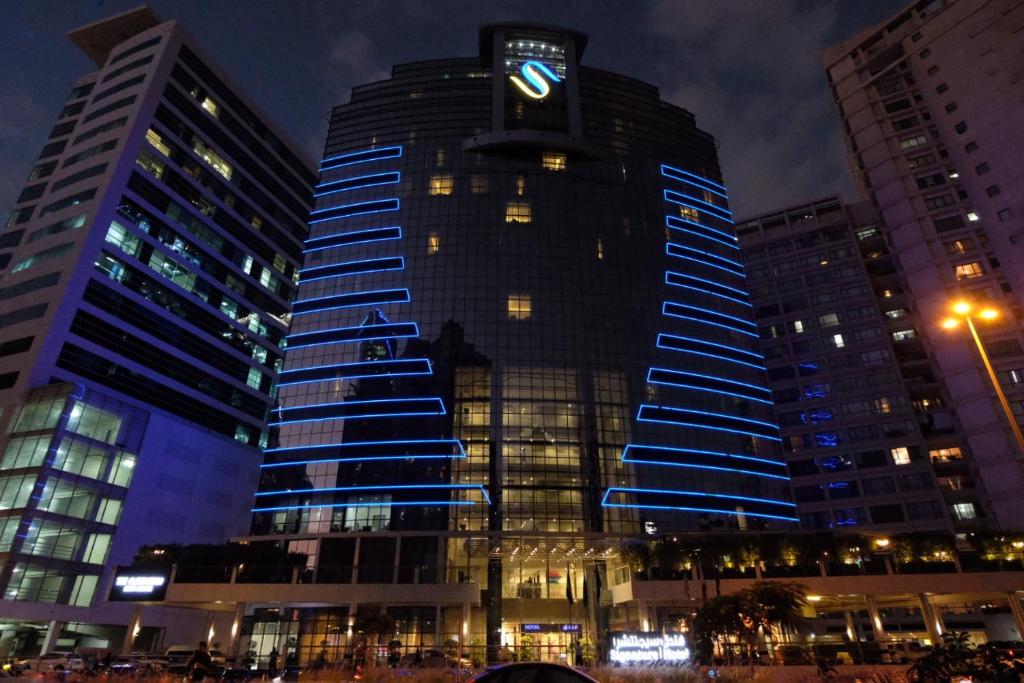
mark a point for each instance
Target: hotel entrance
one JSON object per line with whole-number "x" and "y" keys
{"x": 533, "y": 642}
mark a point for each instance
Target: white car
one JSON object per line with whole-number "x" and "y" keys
{"x": 53, "y": 661}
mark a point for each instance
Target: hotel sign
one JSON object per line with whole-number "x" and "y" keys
{"x": 536, "y": 79}
{"x": 140, "y": 585}
{"x": 637, "y": 649}
{"x": 549, "y": 628}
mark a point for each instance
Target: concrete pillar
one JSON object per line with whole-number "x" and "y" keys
{"x": 645, "y": 617}
{"x": 438, "y": 616}
{"x": 134, "y": 624}
{"x": 876, "y": 620}
{"x": 851, "y": 628}
{"x": 236, "y": 631}
{"x": 53, "y": 630}
{"x": 1017, "y": 611}
{"x": 464, "y": 636}
{"x": 932, "y": 618}
{"x": 209, "y": 633}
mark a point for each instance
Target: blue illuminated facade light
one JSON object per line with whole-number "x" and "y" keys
{"x": 704, "y": 316}
{"x": 346, "y": 268}
{"x": 704, "y": 258}
{"x": 360, "y": 157}
{"x": 351, "y": 210}
{"x": 701, "y": 419}
{"x": 357, "y": 183}
{"x": 707, "y": 287}
{"x": 360, "y": 451}
{"x": 352, "y": 300}
{"x": 693, "y": 179}
{"x": 715, "y": 385}
{"x": 703, "y": 231}
{"x": 698, "y": 205}
{"x": 352, "y": 238}
{"x": 401, "y": 367}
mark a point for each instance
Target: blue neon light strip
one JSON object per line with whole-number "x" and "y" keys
{"x": 702, "y": 494}
{"x": 349, "y": 184}
{"x": 701, "y": 419}
{"x": 704, "y": 287}
{"x": 348, "y": 335}
{"x": 700, "y": 185}
{"x": 360, "y": 157}
{"x": 703, "y": 258}
{"x": 371, "y": 450}
{"x": 704, "y": 316}
{"x": 680, "y": 174}
{"x": 691, "y": 452}
{"x": 393, "y": 503}
{"x": 701, "y": 231}
{"x": 698, "y": 347}
{"x": 350, "y": 410}
{"x": 677, "y": 223}
{"x": 404, "y": 367}
{"x": 356, "y": 209}
{"x": 698, "y": 382}
{"x": 418, "y": 503}
{"x": 351, "y": 300}
{"x": 712, "y": 468}
{"x": 686, "y": 200}
{"x": 384, "y": 487}
{"x": 696, "y": 494}
{"x": 348, "y": 239}
{"x": 362, "y": 267}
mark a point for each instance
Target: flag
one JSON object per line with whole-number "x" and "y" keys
{"x": 568, "y": 587}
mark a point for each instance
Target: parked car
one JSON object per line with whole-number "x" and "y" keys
{"x": 52, "y": 661}
{"x": 533, "y": 672}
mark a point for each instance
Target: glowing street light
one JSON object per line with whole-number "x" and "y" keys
{"x": 964, "y": 312}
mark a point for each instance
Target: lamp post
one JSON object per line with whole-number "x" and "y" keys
{"x": 962, "y": 311}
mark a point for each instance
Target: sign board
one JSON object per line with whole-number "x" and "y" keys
{"x": 646, "y": 647}
{"x": 550, "y": 628}
{"x": 139, "y": 585}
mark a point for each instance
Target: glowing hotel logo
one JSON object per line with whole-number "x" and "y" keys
{"x": 533, "y": 83}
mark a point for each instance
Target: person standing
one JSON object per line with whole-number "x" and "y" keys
{"x": 272, "y": 664}
{"x": 201, "y": 664}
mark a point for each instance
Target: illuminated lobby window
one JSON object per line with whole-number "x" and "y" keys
{"x": 520, "y": 185}
{"x": 520, "y": 306}
{"x": 553, "y": 161}
{"x": 433, "y": 243}
{"x": 689, "y": 213}
{"x": 441, "y": 185}
{"x": 518, "y": 212}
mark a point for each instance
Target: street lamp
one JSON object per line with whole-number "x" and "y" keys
{"x": 964, "y": 312}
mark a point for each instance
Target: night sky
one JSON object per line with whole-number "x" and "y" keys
{"x": 750, "y": 70}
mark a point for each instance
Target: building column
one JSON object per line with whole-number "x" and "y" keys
{"x": 876, "y": 620}
{"x": 236, "y": 630}
{"x": 1017, "y": 611}
{"x": 211, "y": 621}
{"x": 464, "y": 636}
{"x": 53, "y": 630}
{"x": 851, "y": 627}
{"x": 932, "y": 618}
{"x": 134, "y": 624}
{"x": 645, "y": 617}
{"x": 438, "y": 616}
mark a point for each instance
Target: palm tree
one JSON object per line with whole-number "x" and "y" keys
{"x": 779, "y": 604}
{"x": 369, "y": 620}
{"x": 955, "y": 656}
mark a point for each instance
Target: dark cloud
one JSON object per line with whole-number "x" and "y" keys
{"x": 750, "y": 70}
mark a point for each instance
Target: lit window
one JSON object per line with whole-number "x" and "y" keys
{"x": 210, "y": 106}
{"x": 439, "y": 157}
{"x": 828, "y": 319}
{"x": 798, "y": 326}
{"x": 837, "y": 341}
{"x": 900, "y": 456}
{"x": 964, "y": 511}
{"x": 902, "y": 335}
{"x": 689, "y": 213}
{"x": 433, "y": 243}
{"x": 520, "y": 306}
{"x": 153, "y": 138}
{"x": 883, "y": 407}
{"x": 945, "y": 454}
{"x": 518, "y": 212}
{"x": 958, "y": 246}
{"x": 865, "y": 233}
{"x": 553, "y": 161}
{"x": 896, "y": 313}
{"x": 887, "y": 293}
{"x": 216, "y": 161}
{"x": 478, "y": 184}
{"x": 441, "y": 185}
{"x": 600, "y": 249}
{"x": 521, "y": 185}
{"x": 966, "y": 271}
{"x": 972, "y": 216}
{"x": 150, "y": 163}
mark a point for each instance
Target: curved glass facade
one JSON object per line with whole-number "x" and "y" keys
{"x": 522, "y": 322}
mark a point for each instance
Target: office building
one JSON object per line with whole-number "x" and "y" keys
{"x": 145, "y": 279}
{"x": 521, "y": 336}
{"x": 869, "y": 435}
{"x": 929, "y": 104}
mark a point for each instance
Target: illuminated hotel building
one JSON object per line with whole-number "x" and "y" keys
{"x": 521, "y": 336}
{"x": 145, "y": 279}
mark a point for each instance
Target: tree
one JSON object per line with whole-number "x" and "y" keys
{"x": 370, "y": 621}
{"x": 954, "y": 656}
{"x": 780, "y": 605}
